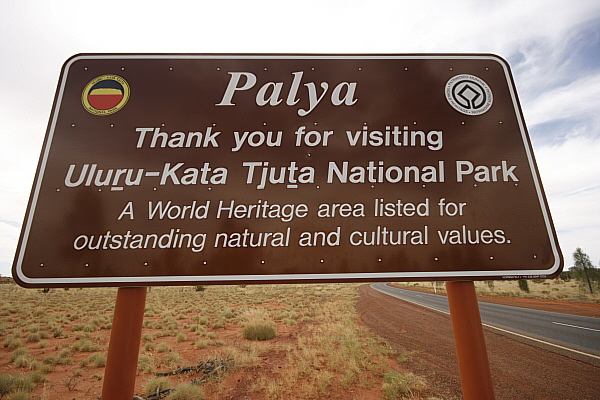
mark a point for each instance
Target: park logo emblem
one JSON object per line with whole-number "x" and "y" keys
{"x": 469, "y": 94}
{"x": 105, "y": 95}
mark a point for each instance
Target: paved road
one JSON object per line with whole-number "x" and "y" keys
{"x": 581, "y": 334}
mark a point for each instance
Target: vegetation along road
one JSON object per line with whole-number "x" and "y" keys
{"x": 557, "y": 332}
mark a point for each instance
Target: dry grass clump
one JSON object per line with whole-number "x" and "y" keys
{"x": 15, "y": 385}
{"x": 312, "y": 332}
{"x": 85, "y": 345}
{"x": 157, "y": 385}
{"x": 258, "y": 325}
{"x": 398, "y": 386}
{"x": 171, "y": 360}
{"x": 187, "y": 391}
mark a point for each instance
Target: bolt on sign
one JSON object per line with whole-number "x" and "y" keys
{"x": 168, "y": 169}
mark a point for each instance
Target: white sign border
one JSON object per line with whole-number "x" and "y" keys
{"x": 123, "y": 281}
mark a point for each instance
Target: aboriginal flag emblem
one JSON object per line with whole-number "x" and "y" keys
{"x": 105, "y": 95}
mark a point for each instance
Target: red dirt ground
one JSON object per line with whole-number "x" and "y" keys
{"x": 422, "y": 338}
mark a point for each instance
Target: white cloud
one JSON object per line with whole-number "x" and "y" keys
{"x": 570, "y": 174}
{"x": 579, "y": 99}
{"x": 538, "y": 36}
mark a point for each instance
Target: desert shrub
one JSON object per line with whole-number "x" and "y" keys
{"x": 50, "y": 360}
{"x": 397, "y": 385}
{"x": 523, "y": 285}
{"x": 146, "y": 337}
{"x": 257, "y": 325}
{"x": 85, "y": 345}
{"x": 162, "y": 348}
{"x": 201, "y": 344}
{"x": 181, "y": 337}
{"x": 187, "y": 391}
{"x": 229, "y": 314}
{"x": 33, "y": 338}
{"x": 171, "y": 360}
{"x": 38, "y": 377}
{"x": 14, "y": 343}
{"x": 23, "y": 361}
{"x": 12, "y": 384}
{"x": 21, "y": 351}
{"x": 259, "y": 330}
{"x": 220, "y": 324}
{"x": 38, "y": 366}
{"x": 149, "y": 346}
{"x": 19, "y": 395}
{"x": 145, "y": 364}
{"x": 157, "y": 385}
{"x": 98, "y": 359}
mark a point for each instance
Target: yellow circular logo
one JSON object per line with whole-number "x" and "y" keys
{"x": 105, "y": 95}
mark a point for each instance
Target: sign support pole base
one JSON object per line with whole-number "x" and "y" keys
{"x": 475, "y": 375}
{"x": 124, "y": 345}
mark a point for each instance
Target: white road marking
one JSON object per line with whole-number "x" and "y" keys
{"x": 575, "y": 326}
{"x": 500, "y": 329}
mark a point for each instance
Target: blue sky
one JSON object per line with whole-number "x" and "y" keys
{"x": 553, "y": 48}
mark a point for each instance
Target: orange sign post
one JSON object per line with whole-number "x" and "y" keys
{"x": 123, "y": 349}
{"x": 475, "y": 375}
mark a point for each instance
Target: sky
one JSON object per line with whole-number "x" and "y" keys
{"x": 553, "y": 48}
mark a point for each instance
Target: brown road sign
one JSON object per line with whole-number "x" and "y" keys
{"x": 168, "y": 169}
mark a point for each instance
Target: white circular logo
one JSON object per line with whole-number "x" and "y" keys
{"x": 469, "y": 94}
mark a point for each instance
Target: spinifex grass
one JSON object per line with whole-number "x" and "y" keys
{"x": 319, "y": 344}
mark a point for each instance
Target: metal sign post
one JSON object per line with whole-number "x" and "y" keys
{"x": 124, "y": 346}
{"x": 475, "y": 375}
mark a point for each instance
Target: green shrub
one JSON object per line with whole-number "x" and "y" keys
{"x": 15, "y": 383}
{"x": 21, "y": 351}
{"x": 259, "y": 330}
{"x": 85, "y": 346}
{"x": 162, "y": 348}
{"x": 97, "y": 359}
{"x": 201, "y": 344}
{"x": 23, "y": 361}
{"x": 33, "y": 338}
{"x": 38, "y": 377}
{"x": 157, "y": 385}
{"x": 523, "y": 285}
{"x": 171, "y": 360}
{"x": 187, "y": 391}
{"x": 145, "y": 364}
{"x": 397, "y": 386}
{"x": 14, "y": 343}
{"x": 19, "y": 395}
{"x": 149, "y": 346}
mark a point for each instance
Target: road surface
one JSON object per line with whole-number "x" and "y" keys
{"x": 563, "y": 332}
